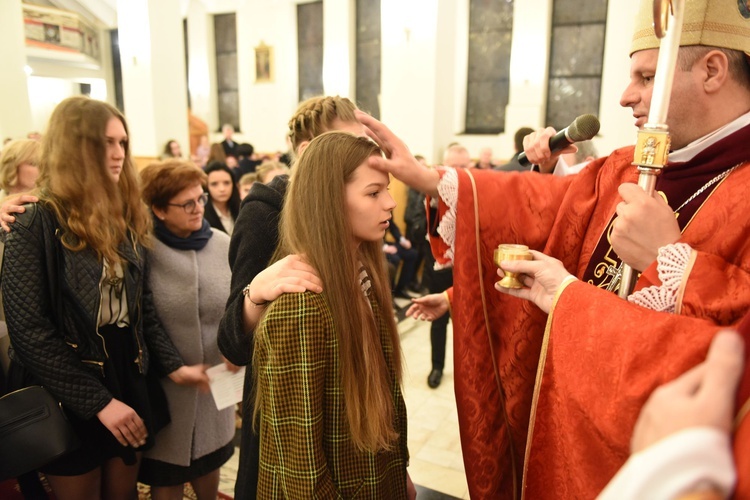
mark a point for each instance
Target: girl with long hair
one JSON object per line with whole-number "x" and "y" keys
{"x": 254, "y": 241}
{"x": 328, "y": 366}
{"x": 80, "y": 314}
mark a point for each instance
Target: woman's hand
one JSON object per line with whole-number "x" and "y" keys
{"x": 124, "y": 423}
{"x": 543, "y": 277}
{"x": 289, "y": 275}
{"x": 191, "y": 375}
{"x": 428, "y": 308}
{"x": 13, "y": 205}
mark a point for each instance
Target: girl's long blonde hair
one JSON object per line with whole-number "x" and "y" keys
{"x": 75, "y": 181}
{"x": 314, "y": 223}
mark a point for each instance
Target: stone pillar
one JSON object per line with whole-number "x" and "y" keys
{"x": 339, "y": 47}
{"x": 15, "y": 109}
{"x": 153, "y": 74}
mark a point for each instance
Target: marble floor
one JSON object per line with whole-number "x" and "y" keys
{"x": 436, "y": 466}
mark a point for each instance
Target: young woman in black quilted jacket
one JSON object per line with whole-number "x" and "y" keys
{"x": 80, "y": 316}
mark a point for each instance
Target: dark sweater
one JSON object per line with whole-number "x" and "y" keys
{"x": 254, "y": 239}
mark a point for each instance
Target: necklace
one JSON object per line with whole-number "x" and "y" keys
{"x": 704, "y": 187}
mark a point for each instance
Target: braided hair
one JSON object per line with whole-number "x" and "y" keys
{"x": 316, "y": 115}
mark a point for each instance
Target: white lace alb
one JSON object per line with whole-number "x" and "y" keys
{"x": 670, "y": 264}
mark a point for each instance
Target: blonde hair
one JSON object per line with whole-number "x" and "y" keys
{"x": 13, "y": 156}
{"x": 74, "y": 181}
{"x": 267, "y": 167}
{"x": 316, "y": 115}
{"x": 318, "y": 186}
{"x": 247, "y": 179}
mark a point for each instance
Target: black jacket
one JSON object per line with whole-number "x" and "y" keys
{"x": 52, "y": 301}
{"x": 254, "y": 239}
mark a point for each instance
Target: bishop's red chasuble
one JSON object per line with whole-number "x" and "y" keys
{"x": 547, "y": 405}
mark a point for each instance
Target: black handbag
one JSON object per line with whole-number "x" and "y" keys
{"x": 33, "y": 431}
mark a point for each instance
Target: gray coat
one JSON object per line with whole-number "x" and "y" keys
{"x": 190, "y": 289}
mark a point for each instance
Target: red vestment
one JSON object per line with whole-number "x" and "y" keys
{"x": 570, "y": 396}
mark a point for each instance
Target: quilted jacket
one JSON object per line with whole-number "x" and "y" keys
{"x": 52, "y": 300}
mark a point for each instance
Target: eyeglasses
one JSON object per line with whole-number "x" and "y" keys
{"x": 190, "y": 206}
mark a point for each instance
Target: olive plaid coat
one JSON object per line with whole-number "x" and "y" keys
{"x": 305, "y": 447}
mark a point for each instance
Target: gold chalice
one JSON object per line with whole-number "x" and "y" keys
{"x": 511, "y": 252}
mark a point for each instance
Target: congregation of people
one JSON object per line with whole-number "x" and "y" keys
{"x": 122, "y": 287}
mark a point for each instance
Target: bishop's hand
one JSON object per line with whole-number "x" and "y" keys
{"x": 541, "y": 278}
{"x": 644, "y": 224}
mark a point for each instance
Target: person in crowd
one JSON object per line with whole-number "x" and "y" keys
{"x": 34, "y": 136}
{"x": 228, "y": 144}
{"x": 223, "y": 198}
{"x": 330, "y": 412}
{"x": 252, "y": 245}
{"x": 572, "y": 163}
{"x": 400, "y": 252}
{"x": 216, "y": 154}
{"x": 583, "y": 344}
{"x": 246, "y": 164}
{"x": 439, "y": 280}
{"x": 188, "y": 265}
{"x": 19, "y": 169}
{"x": 202, "y": 152}
{"x": 171, "y": 150}
{"x": 485, "y": 159}
{"x": 416, "y": 231}
{"x": 246, "y": 183}
{"x": 83, "y": 324}
{"x": 513, "y": 164}
{"x": 268, "y": 170}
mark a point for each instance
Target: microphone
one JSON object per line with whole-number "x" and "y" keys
{"x": 583, "y": 128}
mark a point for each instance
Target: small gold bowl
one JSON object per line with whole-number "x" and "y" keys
{"x": 511, "y": 252}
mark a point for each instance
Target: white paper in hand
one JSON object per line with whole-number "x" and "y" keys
{"x": 226, "y": 387}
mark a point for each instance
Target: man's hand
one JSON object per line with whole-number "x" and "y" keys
{"x": 191, "y": 375}
{"x": 702, "y": 396}
{"x": 428, "y": 308}
{"x": 13, "y": 205}
{"x": 644, "y": 224}
{"x": 398, "y": 159}
{"x": 543, "y": 277}
{"x": 536, "y": 147}
{"x": 124, "y": 423}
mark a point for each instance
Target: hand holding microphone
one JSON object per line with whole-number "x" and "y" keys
{"x": 541, "y": 147}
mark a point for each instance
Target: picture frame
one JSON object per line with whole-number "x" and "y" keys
{"x": 263, "y": 63}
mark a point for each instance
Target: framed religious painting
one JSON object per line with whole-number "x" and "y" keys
{"x": 263, "y": 63}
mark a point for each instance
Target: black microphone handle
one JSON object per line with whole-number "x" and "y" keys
{"x": 557, "y": 142}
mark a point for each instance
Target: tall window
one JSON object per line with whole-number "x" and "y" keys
{"x": 310, "y": 49}
{"x": 576, "y": 55}
{"x": 227, "y": 82}
{"x": 488, "y": 82}
{"x": 368, "y": 56}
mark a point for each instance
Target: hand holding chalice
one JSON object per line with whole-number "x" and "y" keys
{"x": 511, "y": 252}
